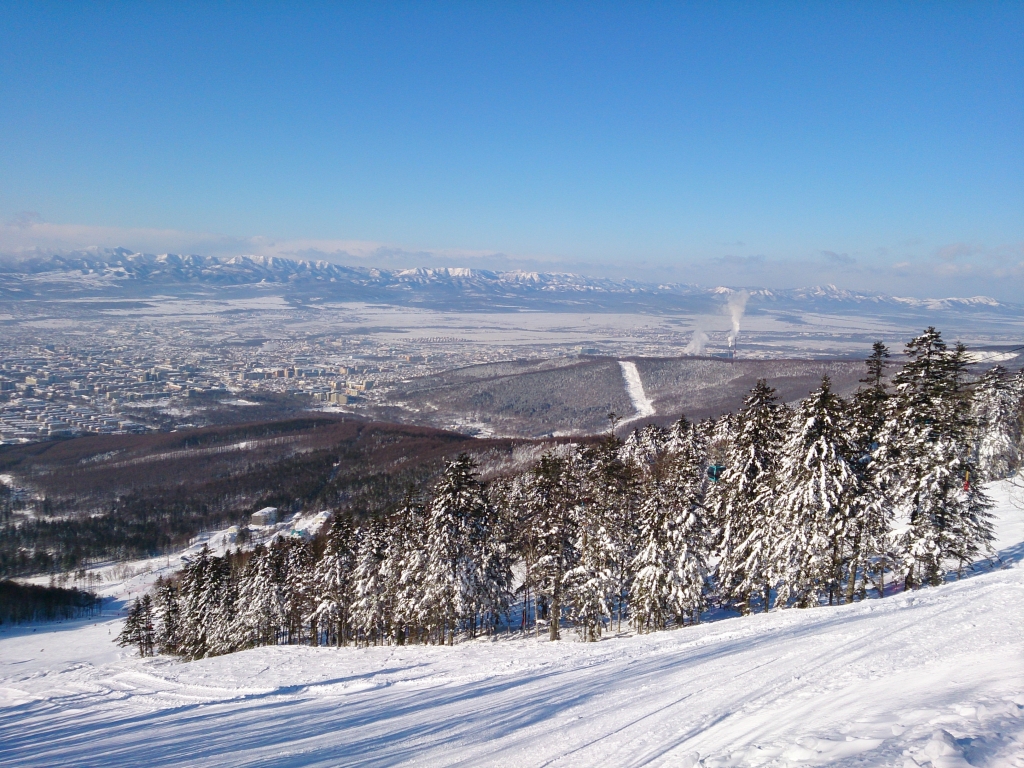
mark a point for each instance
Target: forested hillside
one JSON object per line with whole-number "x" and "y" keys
{"x": 831, "y": 502}
{"x": 121, "y": 497}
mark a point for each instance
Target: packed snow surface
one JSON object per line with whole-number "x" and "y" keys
{"x": 933, "y": 677}
{"x": 635, "y": 389}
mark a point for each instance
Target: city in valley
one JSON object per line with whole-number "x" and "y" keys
{"x": 113, "y": 343}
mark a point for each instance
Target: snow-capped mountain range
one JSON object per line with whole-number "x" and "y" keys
{"x": 94, "y": 269}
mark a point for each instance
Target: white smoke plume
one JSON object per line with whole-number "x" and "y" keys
{"x": 697, "y": 342}
{"x": 736, "y": 305}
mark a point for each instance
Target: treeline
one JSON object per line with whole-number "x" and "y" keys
{"x": 830, "y": 502}
{"x": 31, "y": 602}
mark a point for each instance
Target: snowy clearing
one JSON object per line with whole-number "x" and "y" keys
{"x": 933, "y": 677}
{"x": 635, "y": 389}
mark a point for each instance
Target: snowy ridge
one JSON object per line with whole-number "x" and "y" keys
{"x": 926, "y": 678}
{"x": 98, "y": 267}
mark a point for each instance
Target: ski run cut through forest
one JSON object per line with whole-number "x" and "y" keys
{"x": 837, "y": 583}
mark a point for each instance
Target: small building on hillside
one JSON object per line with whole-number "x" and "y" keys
{"x": 265, "y": 516}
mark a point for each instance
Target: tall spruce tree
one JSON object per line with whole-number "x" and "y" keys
{"x": 457, "y": 523}
{"x": 600, "y": 512}
{"x": 167, "y": 613}
{"x": 261, "y": 612}
{"x": 925, "y": 461}
{"x": 745, "y": 500}
{"x": 553, "y": 491}
{"x": 198, "y": 612}
{"x": 139, "y": 629}
{"x": 815, "y": 499}
{"x": 334, "y": 577}
{"x": 872, "y": 552}
{"x": 369, "y": 611}
{"x": 403, "y": 570}
{"x": 869, "y": 403}
{"x": 997, "y": 411}
{"x": 671, "y": 560}
{"x": 299, "y": 593}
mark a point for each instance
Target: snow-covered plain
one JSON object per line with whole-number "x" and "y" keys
{"x": 933, "y": 677}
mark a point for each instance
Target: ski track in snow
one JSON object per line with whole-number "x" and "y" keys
{"x": 928, "y": 678}
{"x": 635, "y": 389}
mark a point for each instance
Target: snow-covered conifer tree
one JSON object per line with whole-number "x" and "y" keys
{"x": 457, "y": 518}
{"x": 220, "y": 600}
{"x": 924, "y": 460}
{"x": 369, "y": 610}
{"x": 299, "y": 592}
{"x": 334, "y": 590}
{"x": 167, "y": 613}
{"x": 600, "y": 509}
{"x": 197, "y": 614}
{"x": 871, "y": 551}
{"x": 402, "y": 570}
{"x": 643, "y": 447}
{"x": 745, "y": 499}
{"x": 552, "y": 492}
{"x": 260, "y": 612}
{"x": 138, "y": 630}
{"x": 815, "y": 501}
{"x": 671, "y": 561}
{"x": 997, "y": 411}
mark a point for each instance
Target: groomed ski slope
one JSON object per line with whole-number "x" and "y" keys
{"x": 642, "y": 404}
{"x": 933, "y": 677}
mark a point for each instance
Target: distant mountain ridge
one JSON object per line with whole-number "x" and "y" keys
{"x": 98, "y": 267}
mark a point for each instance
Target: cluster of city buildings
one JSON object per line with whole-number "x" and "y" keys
{"x": 56, "y": 390}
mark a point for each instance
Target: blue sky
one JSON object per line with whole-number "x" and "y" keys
{"x": 873, "y": 145}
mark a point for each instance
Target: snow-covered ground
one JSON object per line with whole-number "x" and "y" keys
{"x": 635, "y": 389}
{"x": 933, "y": 677}
{"x": 119, "y": 583}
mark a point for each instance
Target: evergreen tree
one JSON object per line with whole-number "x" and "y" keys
{"x": 167, "y": 612}
{"x": 600, "y": 507}
{"x": 643, "y": 447}
{"x": 403, "y": 570}
{"x": 815, "y": 501}
{"x": 220, "y": 600}
{"x": 745, "y": 499}
{"x": 196, "y": 610}
{"x": 146, "y": 627}
{"x": 869, "y": 404}
{"x": 300, "y": 592}
{"x": 261, "y": 600}
{"x": 369, "y": 611}
{"x": 553, "y": 490}
{"x": 129, "y": 635}
{"x": 671, "y": 561}
{"x": 457, "y": 527}
{"x": 334, "y": 587}
{"x": 997, "y": 411}
{"x": 872, "y": 551}
{"x": 139, "y": 630}
{"x": 692, "y": 534}
{"x": 925, "y": 461}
